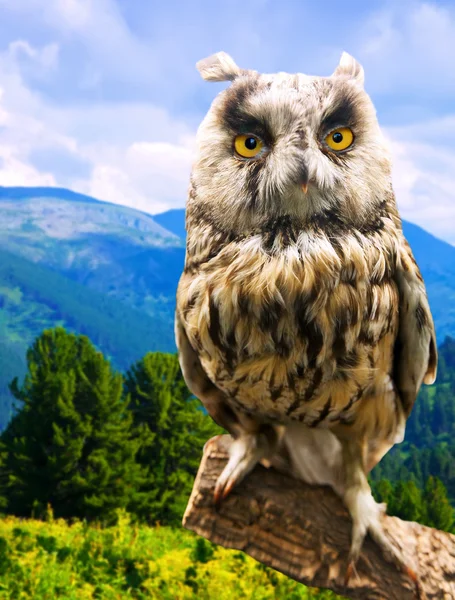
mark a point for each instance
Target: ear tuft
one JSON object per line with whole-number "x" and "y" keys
{"x": 349, "y": 68}
{"x": 218, "y": 67}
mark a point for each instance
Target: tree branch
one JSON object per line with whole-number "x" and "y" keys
{"x": 304, "y": 532}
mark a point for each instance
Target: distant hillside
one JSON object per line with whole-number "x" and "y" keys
{"x": 33, "y": 298}
{"x": 173, "y": 220}
{"x": 436, "y": 260}
{"x": 432, "y": 254}
{"x": 109, "y": 248}
{"x": 102, "y": 269}
{"x": 21, "y": 193}
{"x": 112, "y": 272}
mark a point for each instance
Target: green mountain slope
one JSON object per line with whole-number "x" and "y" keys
{"x": 110, "y": 252}
{"x": 33, "y": 297}
{"x": 109, "y": 248}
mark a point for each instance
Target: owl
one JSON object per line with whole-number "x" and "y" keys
{"x": 302, "y": 320}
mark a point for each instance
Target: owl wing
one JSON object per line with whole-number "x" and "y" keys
{"x": 199, "y": 384}
{"x": 415, "y": 355}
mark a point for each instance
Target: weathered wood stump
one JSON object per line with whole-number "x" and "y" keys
{"x": 304, "y": 532}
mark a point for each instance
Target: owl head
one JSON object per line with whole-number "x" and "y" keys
{"x": 288, "y": 144}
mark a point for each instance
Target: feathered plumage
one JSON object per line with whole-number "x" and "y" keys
{"x": 301, "y": 306}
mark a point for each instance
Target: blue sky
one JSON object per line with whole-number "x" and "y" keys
{"x": 102, "y": 96}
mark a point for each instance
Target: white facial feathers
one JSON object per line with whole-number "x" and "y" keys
{"x": 349, "y": 68}
{"x": 218, "y": 67}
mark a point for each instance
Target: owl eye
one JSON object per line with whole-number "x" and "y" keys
{"x": 340, "y": 139}
{"x": 248, "y": 146}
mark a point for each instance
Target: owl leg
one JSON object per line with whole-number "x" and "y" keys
{"x": 365, "y": 512}
{"x": 245, "y": 452}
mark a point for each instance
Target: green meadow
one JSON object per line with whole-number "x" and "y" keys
{"x": 49, "y": 559}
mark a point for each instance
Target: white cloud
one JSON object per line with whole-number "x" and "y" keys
{"x": 45, "y": 57}
{"x": 96, "y": 30}
{"x": 136, "y": 153}
{"x": 408, "y": 47}
{"x": 424, "y": 181}
{"x": 14, "y": 171}
{"x": 152, "y": 177}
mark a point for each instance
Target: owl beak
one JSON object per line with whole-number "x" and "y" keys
{"x": 304, "y": 181}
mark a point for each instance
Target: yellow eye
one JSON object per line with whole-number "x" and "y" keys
{"x": 248, "y": 146}
{"x": 340, "y": 139}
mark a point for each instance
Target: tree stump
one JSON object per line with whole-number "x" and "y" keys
{"x": 304, "y": 532}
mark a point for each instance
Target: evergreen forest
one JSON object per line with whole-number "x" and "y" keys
{"x": 101, "y": 463}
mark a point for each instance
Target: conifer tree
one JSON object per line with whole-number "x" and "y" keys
{"x": 406, "y": 502}
{"x": 71, "y": 443}
{"x": 173, "y": 428}
{"x": 439, "y": 513}
{"x": 414, "y": 464}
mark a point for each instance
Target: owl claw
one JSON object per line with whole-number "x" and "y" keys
{"x": 366, "y": 515}
{"x": 221, "y": 493}
{"x": 419, "y": 593}
{"x": 350, "y": 569}
{"x": 245, "y": 453}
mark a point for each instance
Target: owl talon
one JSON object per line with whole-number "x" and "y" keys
{"x": 366, "y": 515}
{"x": 245, "y": 453}
{"x": 221, "y": 493}
{"x": 349, "y": 571}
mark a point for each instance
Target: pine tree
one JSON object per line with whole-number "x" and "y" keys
{"x": 439, "y": 513}
{"x": 383, "y": 490}
{"x": 173, "y": 429}
{"x": 439, "y": 420}
{"x": 406, "y": 502}
{"x": 71, "y": 443}
{"x": 414, "y": 465}
{"x": 446, "y": 366}
{"x": 414, "y": 423}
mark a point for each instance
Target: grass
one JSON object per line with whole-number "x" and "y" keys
{"x": 44, "y": 560}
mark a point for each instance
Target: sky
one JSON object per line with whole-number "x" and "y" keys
{"x": 103, "y": 97}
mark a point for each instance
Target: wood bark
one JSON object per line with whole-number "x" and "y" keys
{"x": 304, "y": 532}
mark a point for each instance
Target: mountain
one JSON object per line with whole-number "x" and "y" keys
{"x": 112, "y": 272}
{"x": 109, "y": 248}
{"x": 97, "y": 268}
{"x": 432, "y": 254}
{"x": 34, "y": 297}
{"x": 436, "y": 260}
{"x": 173, "y": 220}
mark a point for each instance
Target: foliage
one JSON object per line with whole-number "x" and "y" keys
{"x": 11, "y": 362}
{"x": 71, "y": 443}
{"x": 46, "y": 560}
{"x": 438, "y": 513}
{"x": 34, "y": 297}
{"x": 172, "y": 429}
{"x": 429, "y": 506}
{"x": 87, "y": 442}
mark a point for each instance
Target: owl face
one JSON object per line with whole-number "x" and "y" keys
{"x": 285, "y": 144}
